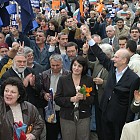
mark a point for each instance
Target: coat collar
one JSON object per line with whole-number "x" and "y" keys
{"x": 24, "y": 110}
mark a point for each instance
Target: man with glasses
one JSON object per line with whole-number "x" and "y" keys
{"x": 71, "y": 52}
{"x": 111, "y": 38}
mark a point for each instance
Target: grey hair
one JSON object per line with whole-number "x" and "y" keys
{"x": 96, "y": 35}
{"x": 27, "y": 50}
{"x": 56, "y": 57}
{"x": 107, "y": 49}
{"x": 111, "y": 27}
{"x": 20, "y": 54}
{"x": 60, "y": 34}
{"x": 125, "y": 54}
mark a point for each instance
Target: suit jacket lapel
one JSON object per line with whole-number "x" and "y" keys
{"x": 13, "y": 73}
{"x": 71, "y": 83}
{"x": 124, "y": 77}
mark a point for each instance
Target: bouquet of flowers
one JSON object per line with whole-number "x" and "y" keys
{"x": 20, "y": 131}
{"x": 50, "y": 115}
{"x": 86, "y": 93}
{"x": 83, "y": 90}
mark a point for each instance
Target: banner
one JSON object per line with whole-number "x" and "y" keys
{"x": 35, "y": 3}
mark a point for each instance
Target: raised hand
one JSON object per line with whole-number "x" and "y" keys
{"x": 21, "y": 48}
{"x": 85, "y": 30}
{"x": 137, "y": 96}
{"x": 14, "y": 50}
{"x": 85, "y": 48}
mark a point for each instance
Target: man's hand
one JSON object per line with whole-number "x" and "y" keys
{"x": 14, "y": 50}
{"x": 98, "y": 81}
{"x": 29, "y": 79}
{"x": 85, "y": 48}
{"x": 137, "y": 96}
{"x": 85, "y": 30}
{"x": 21, "y": 47}
{"x": 47, "y": 96}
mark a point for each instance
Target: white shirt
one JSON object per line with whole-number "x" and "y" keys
{"x": 120, "y": 74}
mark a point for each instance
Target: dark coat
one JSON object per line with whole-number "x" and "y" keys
{"x": 44, "y": 85}
{"x": 66, "y": 90}
{"x": 117, "y": 97}
{"x": 135, "y": 109}
{"x": 104, "y": 74}
{"x": 115, "y": 43}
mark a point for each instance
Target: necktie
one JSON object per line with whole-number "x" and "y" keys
{"x": 110, "y": 42}
{"x": 21, "y": 76}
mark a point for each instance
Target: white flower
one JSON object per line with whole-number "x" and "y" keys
{"x": 78, "y": 88}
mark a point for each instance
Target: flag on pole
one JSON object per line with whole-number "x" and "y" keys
{"x": 5, "y": 17}
{"x": 1, "y": 23}
{"x": 35, "y": 25}
{"x": 124, "y": 14}
{"x": 81, "y": 7}
{"x": 76, "y": 15}
{"x": 26, "y": 14}
{"x": 100, "y": 7}
{"x": 11, "y": 9}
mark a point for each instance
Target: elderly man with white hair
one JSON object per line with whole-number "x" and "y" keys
{"x": 100, "y": 75}
{"x": 111, "y": 38}
{"x": 119, "y": 89}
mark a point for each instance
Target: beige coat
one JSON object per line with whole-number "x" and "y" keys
{"x": 131, "y": 131}
{"x": 123, "y": 32}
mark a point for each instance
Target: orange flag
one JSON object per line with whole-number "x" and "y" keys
{"x": 55, "y": 4}
{"x": 100, "y": 7}
{"x": 81, "y": 7}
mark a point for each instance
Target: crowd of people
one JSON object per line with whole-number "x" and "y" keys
{"x": 86, "y": 67}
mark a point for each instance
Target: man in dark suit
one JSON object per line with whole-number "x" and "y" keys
{"x": 19, "y": 69}
{"x": 119, "y": 89}
{"x": 111, "y": 39}
{"x": 100, "y": 75}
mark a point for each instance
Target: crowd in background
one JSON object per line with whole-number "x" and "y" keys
{"x": 99, "y": 49}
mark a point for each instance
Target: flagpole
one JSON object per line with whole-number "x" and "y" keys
{"x": 18, "y": 19}
{"x": 81, "y": 7}
{"x": 17, "y": 6}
